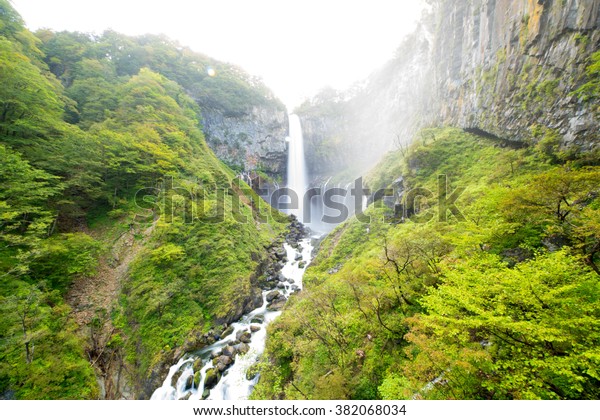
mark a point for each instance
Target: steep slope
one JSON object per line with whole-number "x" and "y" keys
{"x": 109, "y": 187}
{"x": 244, "y": 124}
{"x": 482, "y": 283}
{"x": 522, "y": 71}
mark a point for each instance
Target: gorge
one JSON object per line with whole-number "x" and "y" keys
{"x": 169, "y": 230}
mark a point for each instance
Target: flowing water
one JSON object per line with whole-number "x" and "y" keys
{"x": 234, "y": 385}
{"x": 296, "y": 170}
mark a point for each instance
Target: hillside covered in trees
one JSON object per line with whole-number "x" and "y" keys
{"x": 129, "y": 243}
{"x": 104, "y": 176}
{"x": 482, "y": 284}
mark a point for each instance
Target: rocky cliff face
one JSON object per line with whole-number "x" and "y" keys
{"x": 505, "y": 66}
{"x": 510, "y": 68}
{"x": 255, "y": 140}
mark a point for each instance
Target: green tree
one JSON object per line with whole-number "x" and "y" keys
{"x": 494, "y": 332}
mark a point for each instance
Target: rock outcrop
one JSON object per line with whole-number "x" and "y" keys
{"x": 510, "y": 69}
{"x": 254, "y": 140}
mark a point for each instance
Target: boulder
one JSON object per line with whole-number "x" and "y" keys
{"x": 195, "y": 343}
{"x": 245, "y": 337}
{"x": 243, "y": 348}
{"x": 225, "y": 360}
{"x": 178, "y": 354}
{"x": 189, "y": 382}
{"x": 205, "y": 393}
{"x": 227, "y": 331}
{"x": 280, "y": 253}
{"x": 254, "y": 328}
{"x": 197, "y": 365}
{"x": 175, "y": 378}
{"x": 258, "y": 319}
{"x": 277, "y": 304}
{"x": 229, "y": 351}
{"x": 186, "y": 397}
{"x": 178, "y": 374}
{"x": 197, "y": 376}
{"x": 271, "y": 296}
{"x": 212, "y": 378}
{"x": 216, "y": 353}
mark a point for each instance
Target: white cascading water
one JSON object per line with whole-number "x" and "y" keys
{"x": 234, "y": 385}
{"x": 296, "y": 171}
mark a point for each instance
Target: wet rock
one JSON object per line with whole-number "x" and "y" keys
{"x": 178, "y": 354}
{"x": 280, "y": 253}
{"x": 197, "y": 377}
{"x": 176, "y": 376}
{"x": 227, "y": 331}
{"x": 245, "y": 337}
{"x": 212, "y": 378}
{"x": 205, "y": 393}
{"x": 194, "y": 344}
{"x": 298, "y": 256}
{"x": 197, "y": 365}
{"x": 216, "y": 353}
{"x": 281, "y": 286}
{"x": 271, "y": 296}
{"x": 302, "y": 264}
{"x": 229, "y": 351}
{"x": 186, "y": 397}
{"x": 226, "y": 360}
{"x": 258, "y": 319}
{"x": 277, "y": 304}
{"x": 222, "y": 363}
{"x": 254, "y": 328}
{"x": 243, "y": 348}
{"x": 189, "y": 382}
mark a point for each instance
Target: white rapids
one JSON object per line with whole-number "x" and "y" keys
{"x": 234, "y": 385}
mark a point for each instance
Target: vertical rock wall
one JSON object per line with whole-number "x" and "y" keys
{"x": 511, "y": 68}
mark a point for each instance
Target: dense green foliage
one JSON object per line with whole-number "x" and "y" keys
{"x": 499, "y": 299}
{"x": 88, "y": 66}
{"x": 101, "y": 140}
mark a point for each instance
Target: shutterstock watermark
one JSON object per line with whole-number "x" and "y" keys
{"x": 213, "y": 203}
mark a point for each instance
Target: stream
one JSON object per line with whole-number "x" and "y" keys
{"x": 234, "y": 385}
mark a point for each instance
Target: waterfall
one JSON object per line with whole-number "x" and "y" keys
{"x": 296, "y": 171}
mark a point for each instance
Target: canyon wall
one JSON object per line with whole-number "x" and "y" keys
{"x": 251, "y": 141}
{"x": 513, "y": 69}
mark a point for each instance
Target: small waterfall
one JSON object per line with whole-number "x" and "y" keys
{"x": 296, "y": 171}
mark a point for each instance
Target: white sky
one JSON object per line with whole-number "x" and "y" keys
{"x": 296, "y": 46}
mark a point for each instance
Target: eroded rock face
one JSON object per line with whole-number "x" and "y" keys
{"x": 502, "y": 68}
{"x": 255, "y": 139}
